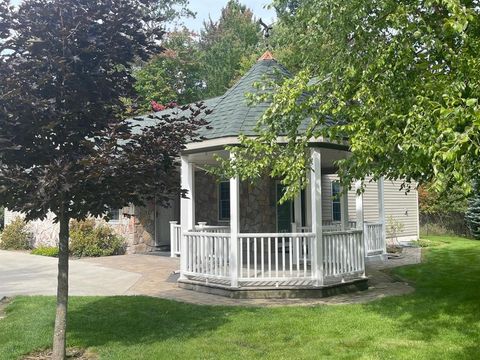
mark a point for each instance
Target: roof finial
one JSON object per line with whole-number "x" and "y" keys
{"x": 267, "y": 55}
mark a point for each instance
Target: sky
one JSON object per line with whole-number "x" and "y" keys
{"x": 206, "y": 8}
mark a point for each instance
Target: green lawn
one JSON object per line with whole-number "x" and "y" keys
{"x": 441, "y": 320}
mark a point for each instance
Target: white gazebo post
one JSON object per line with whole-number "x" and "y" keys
{"x": 344, "y": 209}
{"x": 187, "y": 209}
{"x": 360, "y": 221}
{"x": 381, "y": 211}
{"x": 308, "y": 205}
{"x": 316, "y": 210}
{"x": 173, "y": 239}
{"x": 234, "y": 228}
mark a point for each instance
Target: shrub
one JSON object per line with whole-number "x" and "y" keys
{"x": 89, "y": 239}
{"x": 16, "y": 236}
{"x": 46, "y": 251}
{"x": 394, "y": 228}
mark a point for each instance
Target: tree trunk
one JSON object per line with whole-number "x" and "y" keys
{"x": 59, "y": 335}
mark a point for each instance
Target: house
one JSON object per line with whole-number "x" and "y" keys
{"x": 234, "y": 238}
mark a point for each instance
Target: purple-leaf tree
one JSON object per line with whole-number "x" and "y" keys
{"x": 64, "y": 144}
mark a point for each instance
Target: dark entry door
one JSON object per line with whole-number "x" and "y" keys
{"x": 284, "y": 212}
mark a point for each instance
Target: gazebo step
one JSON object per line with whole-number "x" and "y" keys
{"x": 273, "y": 292}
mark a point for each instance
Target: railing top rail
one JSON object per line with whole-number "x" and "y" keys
{"x": 212, "y": 227}
{"x": 300, "y": 234}
{"x": 206, "y": 233}
{"x": 353, "y": 231}
{"x": 373, "y": 223}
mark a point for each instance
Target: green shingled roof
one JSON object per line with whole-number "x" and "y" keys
{"x": 232, "y": 114}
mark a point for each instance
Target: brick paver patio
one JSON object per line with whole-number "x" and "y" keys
{"x": 158, "y": 279}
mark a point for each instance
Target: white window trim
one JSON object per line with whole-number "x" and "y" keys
{"x": 116, "y": 221}
{"x": 276, "y": 206}
{"x": 225, "y": 221}
{"x": 339, "y": 202}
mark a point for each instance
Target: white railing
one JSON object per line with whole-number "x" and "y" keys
{"x": 176, "y": 234}
{"x": 175, "y": 238}
{"x": 374, "y": 239}
{"x": 271, "y": 259}
{"x": 327, "y": 226}
{"x": 203, "y": 227}
{"x": 278, "y": 256}
{"x": 343, "y": 253}
{"x": 207, "y": 254}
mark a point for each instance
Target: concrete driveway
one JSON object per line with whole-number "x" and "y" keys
{"x": 25, "y": 274}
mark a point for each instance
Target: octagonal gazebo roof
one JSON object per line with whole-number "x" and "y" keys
{"x": 233, "y": 114}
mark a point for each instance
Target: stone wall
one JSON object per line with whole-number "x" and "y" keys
{"x": 137, "y": 230}
{"x": 206, "y": 198}
{"x": 257, "y": 206}
{"x": 257, "y": 203}
{"x": 44, "y": 232}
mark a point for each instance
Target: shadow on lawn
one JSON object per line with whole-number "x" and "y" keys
{"x": 446, "y": 302}
{"x": 133, "y": 320}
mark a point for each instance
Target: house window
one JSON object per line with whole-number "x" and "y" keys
{"x": 336, "y": 205}
{"x": 113, "y": 215}
{"x": 224, "y": 201}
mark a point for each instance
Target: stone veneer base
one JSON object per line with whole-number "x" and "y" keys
{"x": 285, "y": 292}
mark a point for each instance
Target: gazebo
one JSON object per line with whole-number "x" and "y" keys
{"x": 234, "y": 239}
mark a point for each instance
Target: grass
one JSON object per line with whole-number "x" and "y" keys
{"x": 441, "y": 320}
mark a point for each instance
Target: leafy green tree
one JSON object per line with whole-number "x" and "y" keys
{"x": 172, "y": 10}
{"x": 472, "y": 216}
{"x": 398, "y": 79}
{"x": 64, "y": 146}
{"x": 174, "y": 75}
{"x": 223, "y": 44}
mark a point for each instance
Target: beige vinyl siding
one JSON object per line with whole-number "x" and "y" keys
{"x": 403, "y": 207}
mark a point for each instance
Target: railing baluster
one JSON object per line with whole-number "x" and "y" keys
{"x": 290, "y": 251}
{"x": 248, "y": 257}
{"x": 255, "y": 255}
{"x": 297, "y": 247}
{"x": 269, "y": 256}
{"x": 262, "y": 257}
{"x": 283, "y": 256}
{"x": 276, "y": 256}
{"x": 305, "y": 262}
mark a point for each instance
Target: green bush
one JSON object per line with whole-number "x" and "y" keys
{"x": 89, "y": 239}
{"x": 16, "y": 236}
{"x": 46, "y": 251}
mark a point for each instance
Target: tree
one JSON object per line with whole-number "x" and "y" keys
{"x": 398, "y": 79}
{"x": 224, "y": 43}
{"x": 173, "y": 75}
{"x": 442, "y": 211}
{"x": 472, "y": 216}
{"x": 64, "y": 147}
